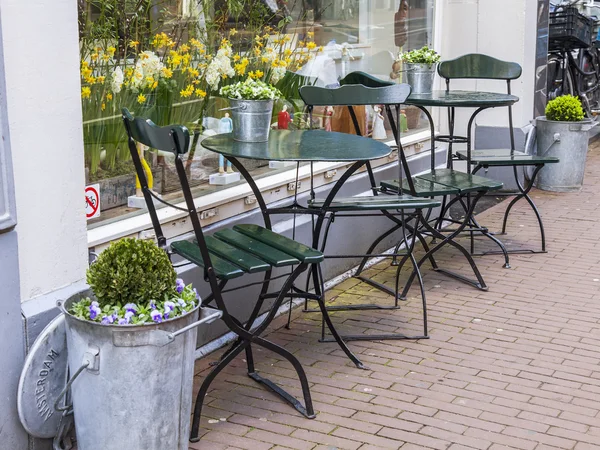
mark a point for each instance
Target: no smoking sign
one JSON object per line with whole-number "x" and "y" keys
{"x": 92, "y": 201}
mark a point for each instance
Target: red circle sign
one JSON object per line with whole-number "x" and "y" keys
{"x": 92, "y": 201}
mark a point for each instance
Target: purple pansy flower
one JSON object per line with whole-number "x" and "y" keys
{"x": 169, "y": 306}
{"x": 197, "y": 295}
{"x": 106, "y": 320}
{"x": 179, "y": 285}
{"x": 123, "y": 321}
{"x": 181, "y": 302}
{"x": 94, "y": 310}
{"x": 156, "y": 316}
{"x": 129, "y": 315}
{"x": 152, "y": 304}
{"x": 131, "y": 307}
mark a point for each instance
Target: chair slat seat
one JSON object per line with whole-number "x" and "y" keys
{"x": 224, "y": 269}
{"x": 267, "y": 253}
{"x": 300, "y": 251}
{"x": 505, "y": 157}
{"x": 246, "y": 261}
{"x": 464, "y": 182}
{"x": 381, "y": 202}
{"x": 423, "y": 188}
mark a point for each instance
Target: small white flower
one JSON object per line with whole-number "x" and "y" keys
{"x": 117, "y": 79}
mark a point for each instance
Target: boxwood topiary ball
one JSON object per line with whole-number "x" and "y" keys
{"x": 131, "y": 271}
{"x": 565, "y": 108}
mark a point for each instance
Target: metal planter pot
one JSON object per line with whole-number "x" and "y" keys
{"x": 136, "y": 391}
{"x": 251, "y": 119}
{"x": 420, "y": 77}
{"x": 567, "y": 141}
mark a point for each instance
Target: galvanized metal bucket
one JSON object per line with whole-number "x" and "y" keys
{"x": 419, "y": 77}
{"x": 251, "y": 119}
{"x": 131, "y": 386}
{"x": 567, "y": 141}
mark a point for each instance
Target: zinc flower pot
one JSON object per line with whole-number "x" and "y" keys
{"x": 420, "y": 77}
{"x": 251, "y": 119}
{"x": 131, "y": 385}
{"x": 567, "y": 141}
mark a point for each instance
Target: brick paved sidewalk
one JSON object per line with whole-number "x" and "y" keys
{"x": 515, "y": 367}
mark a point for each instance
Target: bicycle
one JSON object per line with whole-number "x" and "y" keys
{"x": 574, "y": 60}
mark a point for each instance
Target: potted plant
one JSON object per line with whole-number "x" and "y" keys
{"x": 251, "y": 104}
{"x": 563, "y": 133}
{"x": 419, "y": 67}
{"x": 131, "y": 345}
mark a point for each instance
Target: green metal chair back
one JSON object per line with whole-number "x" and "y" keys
{"x": 365, "y": 90}
{"x": 483, "y": 67}
{"x": 175, "y": 139}
{"x": 365, "y": 79}
{"x": 479, "y": 66}
{"x": 355, "y": 94}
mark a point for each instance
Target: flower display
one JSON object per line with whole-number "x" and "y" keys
{"x": 250, "y": 90}
{"x": 155, "y": 311}
{"x": 171, "y": 80}
{"x": 423, "y": 55}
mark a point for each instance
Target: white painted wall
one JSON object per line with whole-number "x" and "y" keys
{"x": 41, "y": 53}
{"x": 504, "y": 29}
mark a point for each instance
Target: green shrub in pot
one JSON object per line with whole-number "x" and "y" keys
{"x": 134, "y": 283}
{"x": 566, "y": 108}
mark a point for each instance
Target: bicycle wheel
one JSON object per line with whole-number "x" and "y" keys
{"x": 560, "y": 82}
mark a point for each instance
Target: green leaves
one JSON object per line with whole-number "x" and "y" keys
{"x": 565, "y": 108}
{"x": 424, "y": 55}
{"x": 251, "y": 90}
{"x": 131, "y": 271}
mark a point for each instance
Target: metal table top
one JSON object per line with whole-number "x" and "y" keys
{"x": 466, "y": 99}
{"x": 306, "y": 145}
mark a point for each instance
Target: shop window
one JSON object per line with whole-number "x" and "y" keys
{"x": 152, "y": 56}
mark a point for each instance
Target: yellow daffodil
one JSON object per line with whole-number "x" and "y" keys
{"x": 86, "y": 72}
{"x": 311, "y": 45}
{"x": 90, "y": 80}
{"x": 134, "y": 44}
{"x": 236, "y": 57}
{"x": 287, "y": 52}
{"x": 196, "y": 43}
{"x": 187, "y": 92}
{"x": 311, "y": 34}
{"x": 100, "y": 79}
{"x": 129, "y": 72}
{"x": 111, "y": 51}
{"x": 184, "y": 48}
{"x": 94, "y": 56}
{"x": 232, "y": 32}
{"x": 141, "y": 98}
{"x": 103, "y": 107}
{"x": 154, "y": 85}
{"x": 225, "y": 43}
{"x": 84, "y": 64}
{"x": 109, "y": 96}
{"x": 200, "y": 93}
{"x": 187, "y": 58}
{"x": 167, "y": 73}
{"x": 176, "y": 60}
{"x": 105, "y": 57}
{"x": 86, "y": 92}
{"x": 98, "y": 49}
